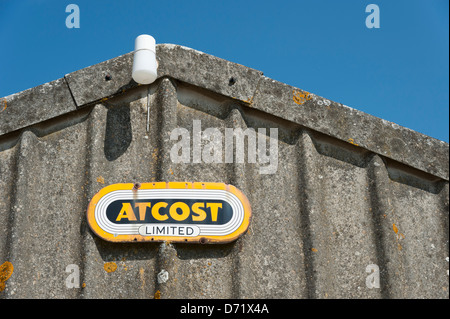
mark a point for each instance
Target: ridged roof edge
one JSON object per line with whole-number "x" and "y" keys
{"x": 86, "y": 86}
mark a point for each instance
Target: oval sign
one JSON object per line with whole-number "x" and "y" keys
{"x": 173, "y": 211}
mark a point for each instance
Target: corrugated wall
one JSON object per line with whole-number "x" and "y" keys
{"x": 331, "y": 211}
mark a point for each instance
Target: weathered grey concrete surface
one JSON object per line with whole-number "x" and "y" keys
{"x": 379, "y": 136}
{"x": 36, "y": 104}
{"x": 351, "y": 192}
{"x": 101, "y": 80}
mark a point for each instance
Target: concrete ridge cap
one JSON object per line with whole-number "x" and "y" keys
{"x": 351, "y": 125}
{"x": 88, "y": 85}
{"x": 355, "y": 110}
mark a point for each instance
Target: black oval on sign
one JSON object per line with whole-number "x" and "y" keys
{"x": 174, "y": 211}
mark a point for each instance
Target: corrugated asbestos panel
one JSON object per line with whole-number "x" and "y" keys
{"x": 331, "y": 212}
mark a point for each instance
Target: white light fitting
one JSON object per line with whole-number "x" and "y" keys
{"x": 144, "y": 61}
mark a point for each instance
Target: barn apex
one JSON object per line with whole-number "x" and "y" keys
{"x": 357, "y": 206}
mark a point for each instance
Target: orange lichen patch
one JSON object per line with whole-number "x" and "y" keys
{"x": 250, "y": 102}
{"x": 400, "y": 236}
{"x": 6, "y": 270}
{"x": 155, "y": 153}
{"x": 100, "y": 179}
{"x": 395, "y": 228}
{"x": 3, "y": 105}
{"x": 83, "y": 285}
{"x": 314, "y": 250}
{"x": 110, "y": 266}
{"x": 300, "y": 97}
{"x": 158, "y": 294}
{"x": 142, "y": 277}
{"x": 352, "y": 141}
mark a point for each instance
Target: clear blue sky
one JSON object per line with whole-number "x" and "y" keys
{"x": 399, "y": 72}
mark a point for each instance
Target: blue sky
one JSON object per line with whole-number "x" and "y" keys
{"x": 399, "y": 72}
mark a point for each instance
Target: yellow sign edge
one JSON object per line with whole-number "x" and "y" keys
{"x": 174, "y": 239}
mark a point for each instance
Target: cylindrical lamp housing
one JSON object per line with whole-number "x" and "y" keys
{"x": 144, "y": 61}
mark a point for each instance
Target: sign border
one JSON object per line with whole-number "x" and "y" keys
{"x": 122, "y": 238}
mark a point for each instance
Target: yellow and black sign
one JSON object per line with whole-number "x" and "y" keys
{"x": 174, "y": 211}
